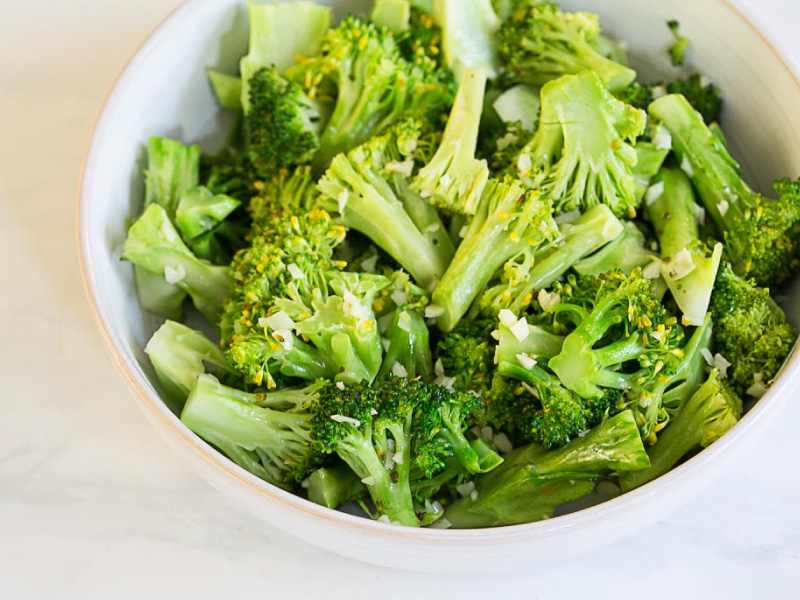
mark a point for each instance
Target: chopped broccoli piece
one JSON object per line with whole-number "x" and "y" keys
{"x": 689, "y": 266}
{"x": 677, "y": 51}
{"x": 279, "y": 33}
{"x": 468, "y": 35}
{"x": 578, "y": 157}
{"x": 700, "y": 421}
{"x": 392, "y": 14}
{"x": 625, "y": 253}
{"x": 229, "y": 173}
{"x": 467, "y": 354}
{"x": 532, "y": 482}
{"x": 520, "y": 104}
{"x": 281, "y": 195}
{"x": 334, "y": 486}
{"x": 364, "y": 188}
{"x": 751, "y": 331}
{"x": 540, "y": 42}
{"x": 509, "y": 222}
{"x": 760, "y": 234}
{"x": 153, "y": 244}
{"x": 649, "y": 160}
{"x": 704, "y": 96}
{"x": 454, "y": 179}
{"x": 408, "y": 353}
{"x": 202, "y": 218}
{"x": 283, "y": 124}
{"x": 227, "y": 89}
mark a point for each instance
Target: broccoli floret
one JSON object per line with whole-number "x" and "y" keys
{"x": 154, "y": 245}
{"x": 760, "y": 234}
{"x": 704, "y": 96}
{"x": 627, "y": 325}
{"x": 274, "y": 444}
{"x": 179, "y": 355}
{"x": 386, "y": 431}
{"x": 421, "y": 43}
{"x": 468, "y": 35}
{"x": 751, "y": 331}
{"x": 578, "y": 157}
{"x": 625, "y": 253}
{"x": 334, "y": 486}
{"x": 230, "y": 173}
{"x": 689, "y": 266}
{"x": 509, "y": 222}
{"x": 530, "y": 273}
{"x": 282, "y": 123}
{"x": 677, "y": 51}
{"x": 367, "y": 188}
{"x": 467, "y": 354}
{"x": 360, "y": 71}
{"x": 280, "y": 32}
{"x": 454, "y": 179}
{"x": 700, "y": 421}
{"x": 286, "y": 192}
{"x": 532, "y": 482}
{"x": 540, "y": 42}
{"x": 408, "y": 353}
{"x": 206, "y": 224}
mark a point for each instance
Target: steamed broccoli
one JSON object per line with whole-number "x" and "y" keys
{"x": 539, "y": 42}
{"x": 704, "y": 96}
{"x": 153, "y": 244}
{"x": 468, "y": 35}
{"x": 760, "y": 234}
{"x": 701, "y": 420}
{"x": 689, "y": 266}
{"x": 579, "y": 156}
{"x": 368, "y": 85}
{"x": 751, "y": 332}
{"x": 625, "y": 253}
{"x": 408, "y": 353}
{"x": 367, "y": 188}
{"x": 677, "y": 51}
{"x": 533, "y": 482}
{"x": 207, "y": 223}
{"x": 509, "y": 222}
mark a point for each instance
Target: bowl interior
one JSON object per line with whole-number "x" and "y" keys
{"x": 164, "y": 92}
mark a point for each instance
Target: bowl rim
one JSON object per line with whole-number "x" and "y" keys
{"x": 157, "y": 409}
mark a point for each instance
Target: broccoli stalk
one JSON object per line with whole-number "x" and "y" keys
{"x": 578, "y": 239}
{"x": 227, "y": 89}
{"x": 275, "y": 445}
{"x": 334, "y": 486}
{"x": 468, "y": 35}
{"x": 179, "y": 355}
{"x": 408, "y": 353}
{"x": 515, "y": 347}
{"x": 579, "y": 156}
{"x": 700, "y": 421}
{"x": 540, "y": 42}
{"x": 279, "y": 33}
{"x": 688, "y": 266}
{"x": 393, "y": 14}
{"x": 509, "y": 222}
{"x": 760, "y": 235}
{"x": 595, "y": 350}
{"x": 153, "y": 244}
{"x": 625, "y": 253}
{"x": 533, "y": 482}
{"x": 649, "y": 160}
{"x": 750, "y": 331}
{"x": 359, "y": 187}
{"x": 454, "y": 179}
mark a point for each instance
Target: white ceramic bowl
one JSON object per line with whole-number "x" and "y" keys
{"x": 163, "y": 91}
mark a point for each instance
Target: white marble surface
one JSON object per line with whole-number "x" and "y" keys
{"x": 93, "y": 504}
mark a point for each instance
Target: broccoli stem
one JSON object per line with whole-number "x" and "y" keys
{"x": 157, "y": 296}
{"x": 227, "y": 89}
{"x": 675, "y": 222}
{"x": 394, "y": 14}
{"x": 408, "y": 345}
{"x": 625, "y": 253}
{"x": 649, "y": 160}
{"x": 538, "y": 344}
{"x": 334, "y": 486}
{"x": 703, "y": 419}
{"x": 532, "y": 482}
{"x": 154, "y": 244}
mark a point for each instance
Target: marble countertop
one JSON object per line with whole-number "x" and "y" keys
{"x": 93, "y": 504}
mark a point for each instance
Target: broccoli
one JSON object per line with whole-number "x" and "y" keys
{"x": 421, "y": 42}
{"x": 360, "y": 71}
{"x": 392, "y": 14}
{"x": 363, "y": 187}
{"x": 689, "y": 266}
{"x": 454, "y": 179}
{"x": 578, "y": 157}
{"x": 282, "y": 123}
{"x": 334, "y": 486}
{"x": 468, "y": 35}
{"x": 408, "y": 353}
{"x": 530, "y": 273}
{"x": 700, "y": 421}
{"x": 281, "y": 195}
{"x": 274, "y": 444}
{"x": 626, "y": 325}
{"x": 533, "y": 482}
{"x": 649, "y": 159}
{"x": 389, "y": 430}
{"x": 154, "y": 245}
{"x": 751, "y": 332}
{"x": 760, "y": 234}
{"x": 179, "y": 355}
{"x": 203, "y": 221}
{"x": 467, "y": 354}
{"x": 519, "y": 104}
{"x": 510, "y": 222}
{"x": 280, "y": 32}
{"x": 677, "y": 52}
{"x": 539, "y": 42}
{"x": 625, "y": 253}
{"x": 227, "y": 89}
{"x": 229, "y": 173}
{"x": 704, "y": 96}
